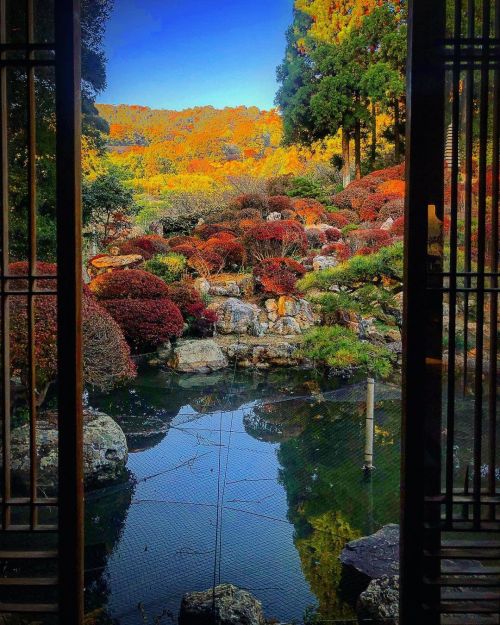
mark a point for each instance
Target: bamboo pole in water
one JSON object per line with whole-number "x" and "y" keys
{"x": 370, "y": 425}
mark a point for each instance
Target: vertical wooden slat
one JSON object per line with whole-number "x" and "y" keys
{"x": 69, "y": 310}
{"x": 4, "y": 122}
{"x": 469, "y": 144}
{"x": 493, "y": 353}
{"x": 452, "y": 300}
{"x": 422, "y": 332}
{"x": 32, "y": 254}
{"x": 483, "y": 154}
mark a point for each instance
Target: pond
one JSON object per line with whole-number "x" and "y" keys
{"x": 249, "y": 478}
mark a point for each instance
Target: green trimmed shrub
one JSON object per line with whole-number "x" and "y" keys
{"x": 168, "y": 267}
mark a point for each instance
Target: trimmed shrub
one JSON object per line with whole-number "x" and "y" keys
{"x": 398, "y": 227}
{"x": 185, "y": 249}
{"x": 370, "y": 238}
{"x": 341, "y": 251}
{"x": 275, "y": 239}
{"x": 350, "y": 198}
{"x": 339, "y": 348}
{"x": 250, "y": 200}
{"x": 181, "y": 240}
{"x": 397, "y": 172}
{"x": 337, "y": 220}
{"x": 396, "y": 188}
{"x": 201, "y": 320}
{"x": 332, "y": 234}
{"x": 130, "y": 284}
{"x": 351, "y": 215}
{"x": 315, "y": 237}
{"x": 393, "y": 208}
{"x": 168, "y": 267}
{"x": 206, "y": 262}
{"x": 146, "y": 323}
{"x": 310, "y": 211}
{"x": 280, "y": 203}
{"x": 147, "y": 246}
{"x": 206, "y": 231}
{"x": 278, "y": 276}
{"x": 106, "y": 354}
{"x": 232, "y": 251}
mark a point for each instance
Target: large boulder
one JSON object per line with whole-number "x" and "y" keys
{"x": 105, "y": 449}
{"x": 232, "y": 606}
{"x": 379, "y": 603}
{"x": 197, "y": 356}
{"x": 238, "y": 317}
{"x": 370, "y": 558}
{"x": 324, "y": 262}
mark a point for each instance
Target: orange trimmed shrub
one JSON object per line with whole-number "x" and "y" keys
{"x": 181, "y": 240}
{"x": 396, "y": 188}
{"x": 130, "y": 284}
{"x": 337, "y": 220}
{"x": 280, "y": 203}
{"x": 310, "y": 211}
{"x": 232, "y": 251}
{"x": 340, "y": 250}
{"x": 278, "y": 276}
{"x": 206, "y": 262}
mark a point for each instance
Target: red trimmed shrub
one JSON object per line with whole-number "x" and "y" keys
{"x": 181, "y": 240}
{"x": 106, "y": 354}
{"x": 206, "y": 231}
{"x": 393, "y": 208}
{"x": 315, "y": 237}
{"x": 278, "y": 276}
{"x": 231, "y": 251}
{"x": 337, "y": 220}
{"x": 151, "y": 243}
{"x": 186, "y": 249}
{"x": 183, "y": 295}
{"x": 250, "y": 200}
{"x": 351, "y": 215}
{"x": 201, "y": 320}
{"x": 340, "y": 250}
{"x": 146, "y": 323}
{"x": 332, "y": 234}
{"x": 22, "y": 269}
{"x": 398, "y": 227}
{"x": 130, "y": 284}
{"x": 206, "y": 262}
{"x": 351, "y": 197}
{"x": 370, "y": 238}
{"x": 397, "y": 172}
{"x": 280, "y": 203}
{"x": 275, "y": 238}
{"x": 128, "y": 249}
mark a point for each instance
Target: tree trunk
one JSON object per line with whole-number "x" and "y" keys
{"x": 357, "y": 149}
{"x": 346, "y": 157}
{"x": 373, "y": 153}
{"x": 397, "y": 136}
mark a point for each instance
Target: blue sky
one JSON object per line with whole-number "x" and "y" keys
{"x": 180, "y": 53}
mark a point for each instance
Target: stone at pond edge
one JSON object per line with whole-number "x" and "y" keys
{"x": 105, "y": 449}
{"x": 233, "y": 606}
{"x": 238, "y": 317}
{"x": 197, "y": 356}
{"x": 369, "y": 558}
{"x": 379, "y": 603}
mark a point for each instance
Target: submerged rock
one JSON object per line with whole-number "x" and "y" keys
{"x": 232, "y": 606}
{"x": 105, "y": 449}
{"x": 198, "y": 356}
{"x": 379, "y": 603}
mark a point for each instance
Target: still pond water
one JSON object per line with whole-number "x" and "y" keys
{"x": 281, "y": 452}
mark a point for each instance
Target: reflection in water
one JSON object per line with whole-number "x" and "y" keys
{"x": 291, "y": 452}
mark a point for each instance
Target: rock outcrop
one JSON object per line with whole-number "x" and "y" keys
{"x": 370, "y": 558}
{"x": 379, "y": 603}
{"x": 197, "y": 356}
{"x": 233, "y": 606}
{"x": 238, "y": 317}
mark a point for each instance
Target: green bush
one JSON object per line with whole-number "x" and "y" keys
{"x": 385, "y": 264}
{"x": 168, "y": 267}
{"x": 339, "y": 348}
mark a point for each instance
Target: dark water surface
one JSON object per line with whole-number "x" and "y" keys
{"x": 282, "y": 454}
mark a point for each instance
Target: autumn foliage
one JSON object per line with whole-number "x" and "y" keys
{"x": 132, "y": 284}
{"x": 278, "y": 276}
{"x": 275, "y": 239}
